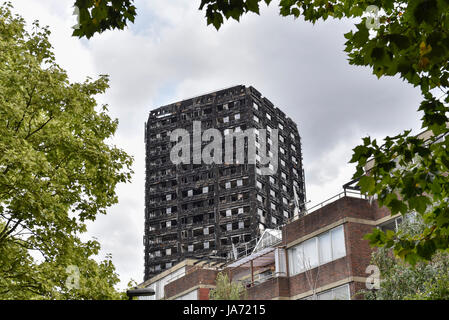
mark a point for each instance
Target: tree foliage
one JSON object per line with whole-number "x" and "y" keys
{"x": 227, "y": 290}
{"x": 56, "y": 171}
{"x": 101, "y": 15}
{"x": 426, "y": 280}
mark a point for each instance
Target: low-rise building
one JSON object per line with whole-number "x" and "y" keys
{"x": 320, "y": 255}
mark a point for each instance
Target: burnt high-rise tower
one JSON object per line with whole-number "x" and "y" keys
{"x": 195, "y": 209}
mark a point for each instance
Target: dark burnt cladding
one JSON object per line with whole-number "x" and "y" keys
{"x": 194, "y": 209}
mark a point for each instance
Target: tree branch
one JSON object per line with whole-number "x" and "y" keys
{"x": 40, "y": 127}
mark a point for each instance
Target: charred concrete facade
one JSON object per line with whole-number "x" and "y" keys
{"x": 195, "y": 210}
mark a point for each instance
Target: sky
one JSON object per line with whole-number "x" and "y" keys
{"x": 170, "y": 54}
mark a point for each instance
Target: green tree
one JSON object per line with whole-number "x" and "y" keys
{"x": 101, "y": 15}
{"x": 56, "y": 172}
{"x": 426, "y": 280}
{"x": 227, "y": 290}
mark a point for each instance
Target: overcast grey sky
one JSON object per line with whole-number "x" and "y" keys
{"x": 170, "y": 54}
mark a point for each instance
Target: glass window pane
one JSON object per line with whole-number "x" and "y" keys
{"x": 325, "y": 296}
{"x": 338, "y": 243}
{"x": 310, "y": 257}
{"x": 295, "y": 261}
{"x": 291, "y": 260}
{"x": 341, "y": 293}
{"x": 325, "y": 247}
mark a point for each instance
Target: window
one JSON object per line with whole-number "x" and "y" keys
{"x": 168, "y": 251}
{"x": 259, "y": 184}
{"x": 226, "y": 132}
{"x": 318, "y": 250}
{"x": 281, "y": 126}
{"x": 310, "y": 254}
{"x": 338, "y": 243}
{"x": 237, "y": 116}
{"x": 338, "y": 293}
{"x": 259, "y": 197}
{"x": 255, "y": 106}
{"x": 226, "y": 119}
{"x": 206, "y": 231}
{"x": 341, "y": 293}
{"x": 268, "y": 117}
{"x": 241, "y": 224}
{"x": 272, "y": 193}
{"x": 256, "y": 118}
{"x": 205, "y": 189}
{"x": 240, "y": 210}
{"x": 168, "y": 197}
{"x": 273, "y": 220}
{"x": 391, "y": 225}
{"x": 190, "y": 193}
{"x": 168, "y": 210}
{"x": 206, "y": 245}
{"x": 229, "y": 227}
{"x": 325, "y": 247}
{"x": 282, "y": 163}
{"x": 281, "y": 138}
{"x": 228, "y": 213}
{"x": 239, "y": 183}
{"x": 190, "y": 248}
{"x": 228, "y": 185}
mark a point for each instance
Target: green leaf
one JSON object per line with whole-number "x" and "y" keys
{"x": 366, "y": 184}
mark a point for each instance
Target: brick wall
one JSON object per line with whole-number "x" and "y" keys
{"x": 358, "y": 249}
{"x": 270, "y": 289}
{"x": 339, "y": 209}
{"x": 203, "y": 293}
{"x": 190, "y": 280}
{"x": 327, "y": 273}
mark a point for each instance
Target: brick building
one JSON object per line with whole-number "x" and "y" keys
{"x": 195, "y": 209}
{"x": 321, "y": 255}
